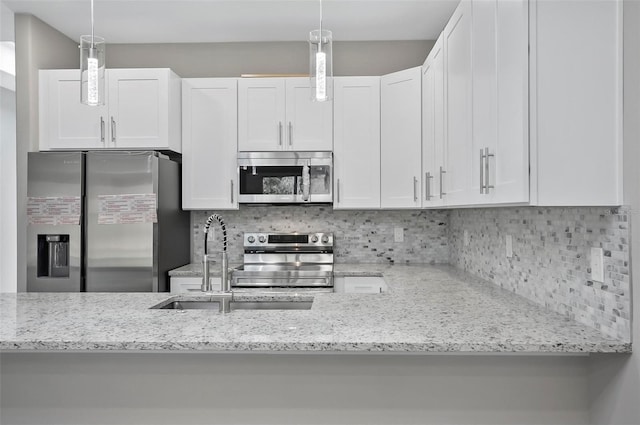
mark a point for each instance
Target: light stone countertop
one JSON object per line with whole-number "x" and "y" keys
{"x": 426, "y": 309}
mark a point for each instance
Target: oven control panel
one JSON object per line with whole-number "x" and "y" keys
{"x": 257, "y": 239}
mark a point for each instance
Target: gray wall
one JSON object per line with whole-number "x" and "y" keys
{"x": 190, "y": 60}
{"x": 265, "y": 389}
{"x": 38, "y": 46}
{"x": 614, "y": 382}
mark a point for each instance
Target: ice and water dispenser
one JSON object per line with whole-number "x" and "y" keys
{"x": 53, "y": 256}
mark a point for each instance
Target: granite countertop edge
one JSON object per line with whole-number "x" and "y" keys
{"x": 427, "y": 309}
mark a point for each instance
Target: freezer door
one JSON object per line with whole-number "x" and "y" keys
{"x": 121, "y": 247}
{"x": 54, "y": 217}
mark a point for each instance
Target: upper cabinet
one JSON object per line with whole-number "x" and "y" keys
{"x": 278, "y": 114}
{"x": 433, "y": 142}
{"x": 142, "y": 111}
{"x": 356, "y": 143}
{"x": 209, "y": 143}
{"x": 401, "y": 139}
{"x": 576, "y": 102}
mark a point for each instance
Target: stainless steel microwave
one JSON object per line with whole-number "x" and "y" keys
{"x": 285, "y": 177}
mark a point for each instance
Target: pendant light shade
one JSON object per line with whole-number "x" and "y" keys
{"x": 92, "y": 67}
{"x": 321, "y": 63}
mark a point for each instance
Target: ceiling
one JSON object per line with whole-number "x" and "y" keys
{"x": 189, "y": 21}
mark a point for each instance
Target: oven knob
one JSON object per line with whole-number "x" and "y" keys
{"x": 314, "y": 238}
{"x": 251, "y": 239}
{"x": 262, "y": 239}
{"x": 325, "y": 238}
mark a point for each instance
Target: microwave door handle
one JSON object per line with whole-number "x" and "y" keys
{"x": 305, "y": 182}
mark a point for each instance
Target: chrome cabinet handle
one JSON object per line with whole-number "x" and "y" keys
{"x": 415, "y": 186}
{"x": 113, "y": 131}
{"x": 280, "y": 133}
{"x": 232, "y": 191}
{"x": 442, "y": 173}
{"x": 487, "y": 155}
{"x": 102, "y": 130}
{"x": 338, "y": 191}
{"x": 427, "y": 191}
{"x": 482, "y": 184}
{"x": 290, "y": 133}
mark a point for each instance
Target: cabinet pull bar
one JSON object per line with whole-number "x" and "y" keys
{"x": 338, "y": 191}
{"x": 280, "y": 133}
{"x": 427, "y": 190}
{"x": 487, "y": 155}
{"x": 482, "y": 185}
{"x": 442, "y": 173}
{"x": 102, "y": 130}
{"x": 290, "y": 133}
{"x": 415, "y": 186}
{"x": 113, "y": 131}
{"x": 232, "y": 191}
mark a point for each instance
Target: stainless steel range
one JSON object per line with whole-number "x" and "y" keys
{"x": 285, "y": 262}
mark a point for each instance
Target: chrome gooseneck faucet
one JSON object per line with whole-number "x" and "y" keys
{"x": 224, "y": 279}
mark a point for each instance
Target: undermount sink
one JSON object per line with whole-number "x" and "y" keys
{"x": 218, "y": 304}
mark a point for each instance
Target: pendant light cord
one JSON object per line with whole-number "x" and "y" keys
{"x": 320, "y": 35}
{"x": 92, "y": 42}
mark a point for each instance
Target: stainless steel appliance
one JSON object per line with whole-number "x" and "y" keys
{"x": 285, "y": 262}
{"x": 104, "y": 222}
{"x": 285, "y": 177}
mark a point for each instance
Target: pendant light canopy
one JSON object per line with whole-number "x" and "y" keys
{"x": 321, "y": 63}
{"x": 92, "y": 68}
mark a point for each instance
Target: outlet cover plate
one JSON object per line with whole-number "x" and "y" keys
{"x": 597, "y": 264}
{"x": 509, "y": 246}
{"x": 398, "y": 234}
{"x": 466, "y": 238}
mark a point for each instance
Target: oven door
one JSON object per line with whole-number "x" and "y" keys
{"x": 285, "y": 177}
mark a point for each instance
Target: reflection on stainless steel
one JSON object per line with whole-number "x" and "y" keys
{"x": 286, "y": 260}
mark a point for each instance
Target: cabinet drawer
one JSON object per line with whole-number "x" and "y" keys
{"x": 191, "y": 284}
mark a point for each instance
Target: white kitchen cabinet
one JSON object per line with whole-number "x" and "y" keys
{"x": 433, "y": 121}
{"x": 576, "y": 103}
{"x": 191, "y": 284}
{"x": 277, "y": 114}
{"x": 209, "y": 143}
{"x": 356, "y": 142}
{"x": 401, "y": 139}
{"x": 141, "y": 111}
{"x": 360, "y": 284}
{"x": 456, "y": 175}
{"x": 500, "y": 152}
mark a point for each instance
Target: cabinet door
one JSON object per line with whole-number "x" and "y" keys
{"x": 356, "y": 150}
{"x": 209, "y": 143}
{"x": 309, "y": 124}
{"x": 401, "y": 139}
{"x": 500, "y": 101}
{"x": 65, "y": 123}
{"x": 458, "y": 135}
{"x": 576, "y": 103}
{"x": 261, "y": 112}
{"x": 144, "y": 105}
{"x": 433, "y": 126}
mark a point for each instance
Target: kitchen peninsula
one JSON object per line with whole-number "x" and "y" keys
{"x": 426, "y": 309}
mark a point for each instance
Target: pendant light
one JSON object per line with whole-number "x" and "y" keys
{"x": 92, "y": 68}
{"x": 321, "y": 63}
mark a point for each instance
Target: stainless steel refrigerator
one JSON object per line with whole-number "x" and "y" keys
{"x": 104, "y": 222}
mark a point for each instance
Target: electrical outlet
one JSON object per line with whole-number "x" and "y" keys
{"x": 597, "y": 264}
{"x": 509, "y": 244}
{"x": 466, "y": 238}
{"x": 398, "y": 234}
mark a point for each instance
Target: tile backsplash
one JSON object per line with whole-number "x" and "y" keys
{"x": 551, "y": 258}
{"x": 360, "y": 236}
{"x": 551, "y": 248}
